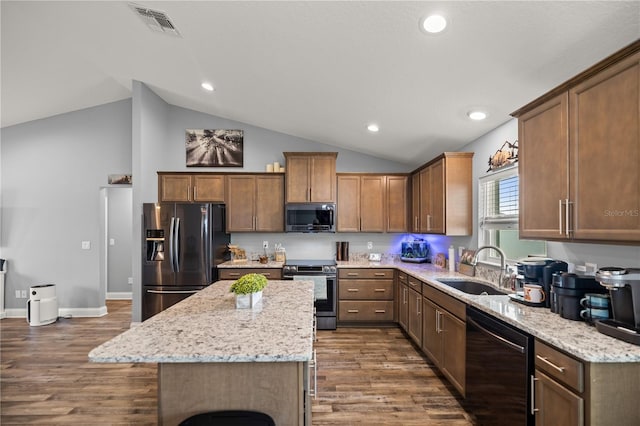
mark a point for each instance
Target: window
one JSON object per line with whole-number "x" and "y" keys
{"x": 498, "y": 218}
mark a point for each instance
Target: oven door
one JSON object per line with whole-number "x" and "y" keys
{"x": 324, "y": 292}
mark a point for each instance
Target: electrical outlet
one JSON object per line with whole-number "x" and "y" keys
{"x": 130, "y": 280}
{"x": 369, "y": 245}
{"x": 265, "y": 244}
{"x": 86, "y": 245}
{"x": 23, "y": 294}
{"x": 17, "y": 294}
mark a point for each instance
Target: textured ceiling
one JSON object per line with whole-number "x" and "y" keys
{"x": 317, "y": 70}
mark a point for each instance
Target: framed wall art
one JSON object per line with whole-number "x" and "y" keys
{"x": 214, "y": 148}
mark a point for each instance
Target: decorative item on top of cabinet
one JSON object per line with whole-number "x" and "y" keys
{"x": 255, "y": 203}
{"x": 372, "y": 203}
{"x": 365, "y": 296}
{"x": 310, "y": 177}
{"x": 190, "y": 187}
{"x": 214, "y": 147}
{"x": 442, "y": 195}
{"x": 579, "y": 154}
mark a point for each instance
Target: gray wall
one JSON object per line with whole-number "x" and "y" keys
{"x": 52, "y": 170}
{"x": 119, "y": 239}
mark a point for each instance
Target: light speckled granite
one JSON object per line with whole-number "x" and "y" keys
{"x": 207, "y": 327}
{"x": 575, "y": 337}
{"x": 251, "y": 264}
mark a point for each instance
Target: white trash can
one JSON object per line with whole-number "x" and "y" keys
{"x": 42, "y": 306}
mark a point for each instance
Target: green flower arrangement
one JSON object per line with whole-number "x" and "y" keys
{"x": 250, "y": 283}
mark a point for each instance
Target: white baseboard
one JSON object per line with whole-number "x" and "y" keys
{"x": 63, "y": 312}
{"x": 120, "y": 296}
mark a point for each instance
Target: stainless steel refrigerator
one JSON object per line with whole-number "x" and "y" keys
{"x": 183, "y": 244}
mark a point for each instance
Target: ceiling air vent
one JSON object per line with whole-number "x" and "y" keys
{"x": 157, "y": 20}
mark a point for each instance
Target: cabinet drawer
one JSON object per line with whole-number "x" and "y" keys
{"x": 365, "y": 311}
{"x": 366, "y": 289}
{"x": 451, "y": 304}
{"x": 560, "y": 366}
{"x": 235, "y": 273}
{"x": 414, "y": 283}
{"x": 402, "y": 277}
{"x": 366, "y": 273}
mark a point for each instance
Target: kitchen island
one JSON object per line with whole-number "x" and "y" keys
{"x": 212, "y": 356}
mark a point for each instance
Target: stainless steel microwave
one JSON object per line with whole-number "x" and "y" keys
{"x": 310, "y": 217}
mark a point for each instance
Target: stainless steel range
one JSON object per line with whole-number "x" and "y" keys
{"x": 323, "y": 273}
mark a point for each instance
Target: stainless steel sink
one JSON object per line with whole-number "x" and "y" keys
{"x": 472, "y": 287}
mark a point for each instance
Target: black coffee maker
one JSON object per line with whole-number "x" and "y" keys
{"x": 538, "y": 270}
{"x": 624, "y": 286}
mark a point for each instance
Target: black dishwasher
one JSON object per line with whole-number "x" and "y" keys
{"x": 499, "y": 367}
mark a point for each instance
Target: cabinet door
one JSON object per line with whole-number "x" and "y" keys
{"x": 372, "y": 203}
{"x": 403, "y": 307}
{"x": 269, "y": 203}
{"x": 208, "y": 188}
{"x": 605, "y": 154}
{"x": 240, "y": 203}
{"x": 431, "y": 341}
{"x": 348, "y": 204}
{"x": 437, "y": 193}
{"x": 454, "y": 341}
{"x": 555, "y": 404}
{"x": 414, "y": 324}
{"x": 543, "y": 168}
{"x": 175, "y": 188}
{"x": 297, "y": 179}
{"x": 323, "y": 178}
{"x": 415, "y": 202}
{"x": 425, "y": 200}
{"x": 397, "y": 204}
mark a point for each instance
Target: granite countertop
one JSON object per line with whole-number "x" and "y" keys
{"x": 575, "y": 337}
{"x": 207, "y": 327}
{"x": 251, "y": 264}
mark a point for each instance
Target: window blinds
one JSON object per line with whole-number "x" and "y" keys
{"x": 498, "y": 199}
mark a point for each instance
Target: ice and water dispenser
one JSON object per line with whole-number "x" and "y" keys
{"x": 155, "y": 244}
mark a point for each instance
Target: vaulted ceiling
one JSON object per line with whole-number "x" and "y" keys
{"x": 320, "y": 70}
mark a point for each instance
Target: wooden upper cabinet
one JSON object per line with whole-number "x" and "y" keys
{"x": 579, "y": 150}
{"x": 187, "y": 188}
{"x": 604, "y": 138}
{"x": 255, "y": 203}
{"x": 397, "y": 203}
{"x": 442, "y": 195}
{"x": 348, "y": 204}
{"x": 543, "y": 151}
{"x": 372, "y": 203}
{"x": 310, "y": 177}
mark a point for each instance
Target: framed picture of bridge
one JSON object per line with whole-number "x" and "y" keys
{"x": 214, "y": 148}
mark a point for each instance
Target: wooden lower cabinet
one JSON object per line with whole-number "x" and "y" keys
{"x": 366, "y": 296}
{"x": 444, "y": 335}
{"x": 235, "y": 273}
{"x": 414, "y": 322}
{"x": 556, "y": 405}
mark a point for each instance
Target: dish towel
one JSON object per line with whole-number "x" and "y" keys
{"x": 320, "y": 281}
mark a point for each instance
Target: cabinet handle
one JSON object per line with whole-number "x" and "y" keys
{"x": 567, "y": 217}
{"x": 234, "y": 274}
{"x": 549, "y": 363}
{"x": 404, "y": 296}
{"x": 428, "y": 222}
{"x": 353, "y": 290}
{"x": 266, "y": 274}
{"x": 314, "y": 365}
{"x": 418, "y": 306}
{"x": 533, "y": 399}
{"x": 560, "y": 217}
{"x": 380, "y": 311}
{"x": 195, "y": 193}
{"x": 379, "y": 290}
{"x": 438, "y": 329}
{"x": 353, "y": 274}
{"x": 352, "y": 311}
{"x": 415, "y": 223}
{"x": 380, "y": 274}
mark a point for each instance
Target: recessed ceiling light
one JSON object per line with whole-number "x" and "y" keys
{"x": 434, "y": 24}
{"x": 373, "y": 128}
{"x": 477, "y": 115}
{"x": 207, "y": 86}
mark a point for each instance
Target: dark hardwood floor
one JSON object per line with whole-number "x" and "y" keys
{"x": 366, "y": 376}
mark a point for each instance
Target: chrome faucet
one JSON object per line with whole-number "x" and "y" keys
{"x": 503, "y": 261}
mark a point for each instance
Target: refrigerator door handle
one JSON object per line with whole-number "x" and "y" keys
{"x": 173, "y": 291}
{"x": 171, "y": 244}
{"x": 204, "y": 238}
{"x": 176, "y": 242}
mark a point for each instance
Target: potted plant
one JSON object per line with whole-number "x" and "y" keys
{"x": 248, "y": 290}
